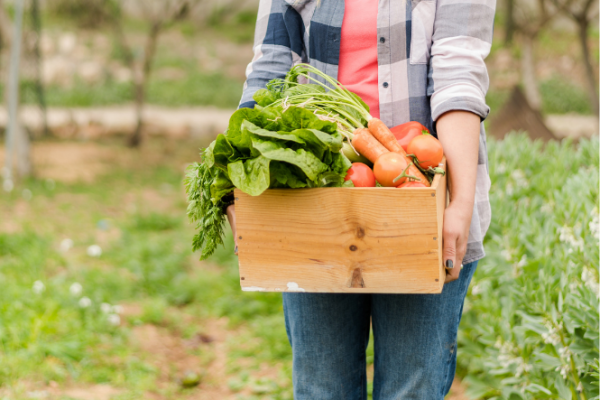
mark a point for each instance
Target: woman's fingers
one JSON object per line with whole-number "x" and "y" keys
{"x": 455, "y": 237}
{"x": 450, "y": 256}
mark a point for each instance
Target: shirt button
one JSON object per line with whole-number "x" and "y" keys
{"x": 382, "y": 39}
{"x": 385, "y": 84}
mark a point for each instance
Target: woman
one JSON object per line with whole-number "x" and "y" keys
{"x": 410, "y": 61}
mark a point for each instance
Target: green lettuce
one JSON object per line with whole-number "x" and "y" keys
{"x": 251, "y": 176}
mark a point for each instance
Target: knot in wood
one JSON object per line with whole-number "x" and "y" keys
{"x": 353, "y": 248}
{"x": 360, "y": 232}
{"x": 357, "y": 280}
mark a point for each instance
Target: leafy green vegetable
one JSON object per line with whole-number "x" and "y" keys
{"x": 264, "y": 97}
{"x": 300, "y": 118}
{"x": 306, "y": 161}
{"x": 285, "y": 175}
{"x": 255, "y": 130}
{"x": 251, "y": 176}
{"x": 292, "y": 138}
{"x": 204, "y": 209}
{"x": 263, "y": 147}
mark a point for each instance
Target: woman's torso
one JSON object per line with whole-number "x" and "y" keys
{"x": 357, "y": 66}
{"x": 406, "y": 80}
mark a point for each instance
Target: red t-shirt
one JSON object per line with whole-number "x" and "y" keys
{"x": 357, "y": 69}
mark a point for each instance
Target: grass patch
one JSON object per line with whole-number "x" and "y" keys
{"x": 196, "y": 89}
{"x": 560, "y": 96}
{"x": 59, "y": 309}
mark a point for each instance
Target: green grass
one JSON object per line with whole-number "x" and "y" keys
{"x": 238, "y": 28}
{"x": 196, "y": 89}
{"x": 559, "y": 96}
{"x": 49, "y": 333}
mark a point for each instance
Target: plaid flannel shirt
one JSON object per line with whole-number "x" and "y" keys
{"x": 430, "y": 57}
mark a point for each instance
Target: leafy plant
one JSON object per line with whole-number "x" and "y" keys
{"x": 530, "y": 328}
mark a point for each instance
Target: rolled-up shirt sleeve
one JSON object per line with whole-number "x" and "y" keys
{"x": 273, "y": 49}
{"x": 462, "y": 39}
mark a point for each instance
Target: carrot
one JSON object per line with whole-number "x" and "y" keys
{"x": 367, "y": 145}
{"x": 382, "y": 133}
{"x": 385, "y": 136}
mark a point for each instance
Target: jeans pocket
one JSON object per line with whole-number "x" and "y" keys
{"x": 421, "y": 31}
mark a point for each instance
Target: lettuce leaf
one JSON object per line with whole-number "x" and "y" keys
{"x": 264, "y": 97}
{"x": 318, "y": 142}
{"x": 307, "y": 88}
{"x": 300, "y": 118}
{"x": 306, "y": 161}
{"x": 255, "y": 130}
{"x": 285, "y": 175}
{"x": 220, "y": 186}
{"x": 268, "y": 147}
{"x": 251, "y": 176}
{"x": 222, "y": 152}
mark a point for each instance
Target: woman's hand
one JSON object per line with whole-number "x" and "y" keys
{"x": 458, "y": 131}
{"x": 231, "y": 218}
{"x": 457, "y": 219}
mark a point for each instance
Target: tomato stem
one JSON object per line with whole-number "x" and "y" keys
{"x": 405, "y": 175}
{"x": 436, "y": 170}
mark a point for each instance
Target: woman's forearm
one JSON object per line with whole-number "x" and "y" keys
{"x": 458, "y": 131}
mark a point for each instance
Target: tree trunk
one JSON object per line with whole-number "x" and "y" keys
{"x": 141, "y": 82}
{"x": 39, "y": 88}
{"x": 583, "y": 25}
{"x": 17, "y": 139}
{"x": 528, "y": 76}
{"x": 509, "y": 23}
{"x": 23, "y": 145}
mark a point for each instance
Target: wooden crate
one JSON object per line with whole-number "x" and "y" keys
{"x": 350, "y": 240}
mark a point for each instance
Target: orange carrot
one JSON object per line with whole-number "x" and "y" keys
{"x": 367, "y": 145}
{"x": 385, "y": 136}
{"x": 382, "y": 133}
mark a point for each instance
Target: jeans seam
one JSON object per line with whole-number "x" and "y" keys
{"x": 447, "y": 367}
{"x": 454, "y": 342}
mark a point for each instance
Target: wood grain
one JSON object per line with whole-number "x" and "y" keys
{"x": 356, "y": 240}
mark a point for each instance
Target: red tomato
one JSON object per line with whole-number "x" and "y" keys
{"x": 411, "y": 184}
{"x": 427, "y": 149}
{"x": 361, "y": 175}
{"x": 388, "y": 167}
{"x": 407, "y": 132}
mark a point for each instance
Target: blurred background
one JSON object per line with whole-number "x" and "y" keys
{"x": 103, "y": 104}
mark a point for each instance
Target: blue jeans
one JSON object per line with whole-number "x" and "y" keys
{"x": 414, "y": 342}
